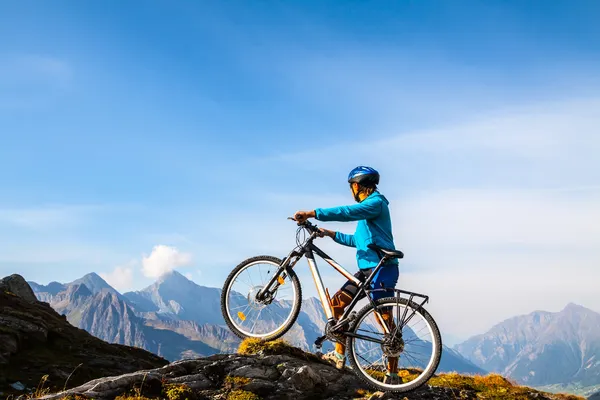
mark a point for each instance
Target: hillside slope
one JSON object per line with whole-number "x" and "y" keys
{"x": 36, "y": 341}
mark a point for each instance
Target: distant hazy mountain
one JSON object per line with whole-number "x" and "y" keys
{"x": 94, "y": 283}
{"x": 175, "y": 318}
{"x": 542, "y": 348}
{"x": 453, "y": 361}
{"x": 108, "y": 316}
{"x": 46, "y": 293}
{"x": 175, "y": 302}
{"x": 175, "y": 295}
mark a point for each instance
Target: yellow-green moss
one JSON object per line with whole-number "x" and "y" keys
{"x": 242, "y": 395}
{"x": 363, "y": 393}
{"x": 74, "y": 397}
{"x": 273, "y": 347}
{"x": 492, "y": 386}
{"x": 132, "y": 397}
{"x": 178, "y": 392}
{"x": 254, "y": 346}
{"x": 232, "y": 382}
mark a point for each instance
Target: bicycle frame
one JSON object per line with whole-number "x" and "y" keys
{"x": 309, "y": 249}
{"x": 310, "y": 252}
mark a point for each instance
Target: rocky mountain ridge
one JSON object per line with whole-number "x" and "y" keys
{"x": 542, "y": 348}
{"x": 35, "y": 341}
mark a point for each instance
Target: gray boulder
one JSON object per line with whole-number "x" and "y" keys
{"x": 17, "y": 285}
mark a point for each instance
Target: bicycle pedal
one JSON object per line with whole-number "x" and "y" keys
{"x": 319, "y": 341}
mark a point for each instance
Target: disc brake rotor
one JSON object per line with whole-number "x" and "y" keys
{"x": 254, "y": 302}
{"x": 392, "y": 346}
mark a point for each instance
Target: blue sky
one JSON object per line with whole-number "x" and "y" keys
{"x": 142, "y": 136}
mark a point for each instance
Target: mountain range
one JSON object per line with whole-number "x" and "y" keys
{"x": 556, "y": 351}
{"x": 176, "y": 318}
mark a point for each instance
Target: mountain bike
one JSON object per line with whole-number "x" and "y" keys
{"x": 392, "y": 328}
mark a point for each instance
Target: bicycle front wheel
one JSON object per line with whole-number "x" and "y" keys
{"x": 399, "y": 357}
{"x": 265, "y": 319}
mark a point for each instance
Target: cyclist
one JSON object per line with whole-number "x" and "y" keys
{"x": 374, "y": 227}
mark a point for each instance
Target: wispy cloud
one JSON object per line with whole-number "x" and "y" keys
{"x": 544, "y": 145}
{"x": 121, "y": 278}
{"x": 32, "y": 80}
{"x": 163, "y": 259}
{"x": 58, "y": 217}
{"x": 34, "y": 68}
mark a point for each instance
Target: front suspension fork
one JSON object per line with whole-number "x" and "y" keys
{"x": 278, "y": 278}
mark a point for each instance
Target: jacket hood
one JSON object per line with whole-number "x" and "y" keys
{"x": 377, "y": 194}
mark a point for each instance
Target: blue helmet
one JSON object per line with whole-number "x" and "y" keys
{"x": 365, "y": 176}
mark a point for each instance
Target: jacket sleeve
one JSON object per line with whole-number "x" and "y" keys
{"x": 345, "y": 239}
{"x": 367, "y": 209}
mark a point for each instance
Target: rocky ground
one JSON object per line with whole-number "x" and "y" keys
{"x": 295, "y": 375}
{"x": 227, "y": 376}
{"x": 35, "y": 342}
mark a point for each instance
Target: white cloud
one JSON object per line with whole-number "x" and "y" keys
{"x": 121, "y": 278}
{"x": 492, "y": 221}
{"x": 164, "y": 259}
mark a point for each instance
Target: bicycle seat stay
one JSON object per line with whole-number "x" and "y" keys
{"x": 387, "y": 252}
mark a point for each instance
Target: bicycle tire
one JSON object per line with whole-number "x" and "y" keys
{"x": 423, "y": 378}
{"x": 296, "y": 307}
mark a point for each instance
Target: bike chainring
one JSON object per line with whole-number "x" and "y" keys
{"x": 333, "y": 336}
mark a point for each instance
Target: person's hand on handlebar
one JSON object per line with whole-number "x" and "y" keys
{"x": 326, "y": 232}
{"x": 302, "y": 216}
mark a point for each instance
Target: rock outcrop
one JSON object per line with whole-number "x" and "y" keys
{"x": 36, "y": 341}
{"x": 216, "y": 377}
{"x": 291, "y": 374}
{"x": 15, "y": 284}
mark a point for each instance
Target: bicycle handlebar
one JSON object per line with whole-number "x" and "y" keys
{"x": 306, "y": 225}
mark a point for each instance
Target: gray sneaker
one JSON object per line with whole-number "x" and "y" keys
{"x": 336, "y": 358}
{"x": 392, "y": 379}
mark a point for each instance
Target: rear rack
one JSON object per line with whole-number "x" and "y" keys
{"x": 411, "y": 299}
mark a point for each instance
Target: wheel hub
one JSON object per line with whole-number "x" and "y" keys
{"x": 253, "y": 300}
{"x": 392, "y": 346}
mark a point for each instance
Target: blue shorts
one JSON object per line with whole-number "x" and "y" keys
{"x": 386, "y": 278}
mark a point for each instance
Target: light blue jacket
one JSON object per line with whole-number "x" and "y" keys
{"x": 374, "y": 226}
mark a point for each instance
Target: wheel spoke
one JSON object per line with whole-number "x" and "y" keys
{"x": 418, "y": 360}
{"x": 255, "y": 321}
{"x": 244, "y": 310}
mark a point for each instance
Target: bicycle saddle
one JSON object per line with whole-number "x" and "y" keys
{"x": 387, "y": 252}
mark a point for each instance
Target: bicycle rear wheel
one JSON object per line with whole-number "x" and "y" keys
{"x": 268, "y": 319}
{"x": 411, "y": 348}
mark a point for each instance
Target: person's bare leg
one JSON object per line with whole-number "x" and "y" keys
{"x": 387, "y": 318}
{"x": 339, "y": 302}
